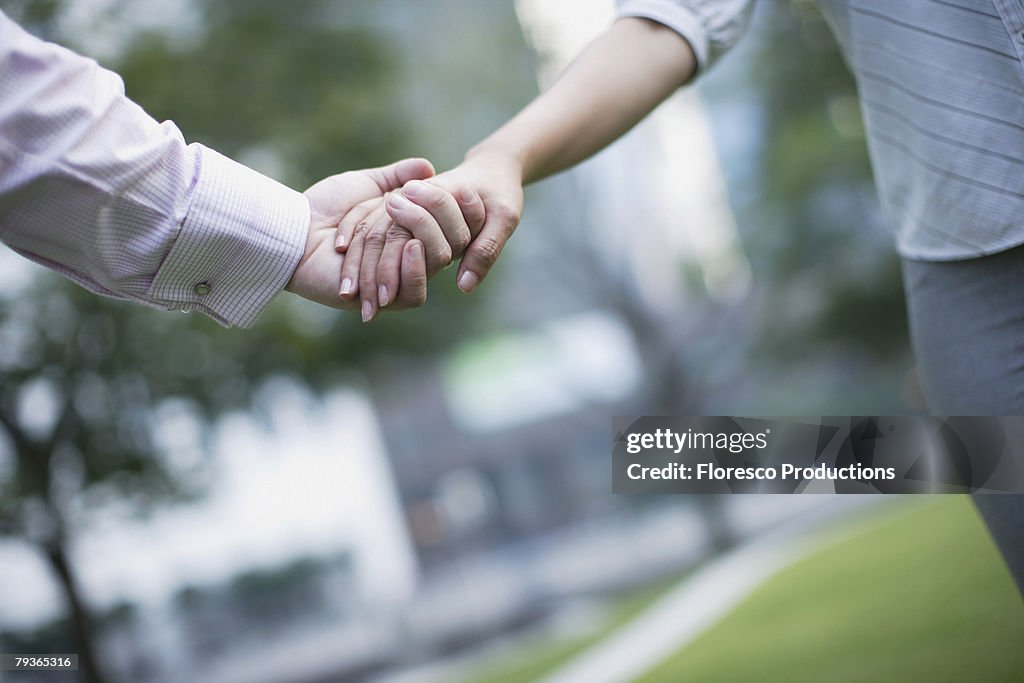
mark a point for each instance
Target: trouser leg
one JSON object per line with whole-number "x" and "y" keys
{"x": 967, "y": 326}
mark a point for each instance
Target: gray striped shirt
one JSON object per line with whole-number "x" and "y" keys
{"x": 941, "y": 84}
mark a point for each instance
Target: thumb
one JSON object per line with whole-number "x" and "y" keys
{"x": 394, "y": 176}
{"x": 483, "y": 252}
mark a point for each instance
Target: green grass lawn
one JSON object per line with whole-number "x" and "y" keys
{"x": 922, "y": 597}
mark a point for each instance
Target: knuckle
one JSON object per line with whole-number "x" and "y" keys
{"x": 418, "y": 222}
{"x": 438, "y": 261}
{"x": 398, "y": 234}
{"x": 438, "y": 201}
{"x": 361, "y": 227}
{"x": 476, "y": 218}
{"x": 445, "y": 255}
{"x": 459, "y": 243}
{"x": 417, "y": 293}
{"x": 487, "y": 250}
{"x": 376, "y": 238}
{"x": 506, "y": 211}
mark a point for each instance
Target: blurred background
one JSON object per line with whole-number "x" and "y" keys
{"x": 427, "y": 498}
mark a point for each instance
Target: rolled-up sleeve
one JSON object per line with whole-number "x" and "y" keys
{"x": 93, "y": 187}
{"x": 711, "y": 27}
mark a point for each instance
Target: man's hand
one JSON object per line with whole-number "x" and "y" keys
{"x": 318, "y": 274}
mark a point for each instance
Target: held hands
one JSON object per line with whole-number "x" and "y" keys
{"x": 374, "y": 245}
{"x": 470, "y": 211}
{"x": 375, "y": 236}
{"x": 317, "y": 276}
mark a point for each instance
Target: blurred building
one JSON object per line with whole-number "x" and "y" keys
{"x": 509, "y": 440}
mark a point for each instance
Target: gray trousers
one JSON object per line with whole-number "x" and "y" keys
{"x": 967, "y": 327}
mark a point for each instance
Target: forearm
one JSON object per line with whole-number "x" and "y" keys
{"x": 93, "y": 187}
{"x": 656, "y": 47}
{"x": 614, "y": 83}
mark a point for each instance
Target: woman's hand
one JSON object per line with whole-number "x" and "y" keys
{"x": 374, "y": 245}
{"x": 470, "y": 211}
{"x": 497, "y": 179}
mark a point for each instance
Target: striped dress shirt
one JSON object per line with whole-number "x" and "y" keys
{"x": 94, "y": 188}
{"x": 941, "y": 85}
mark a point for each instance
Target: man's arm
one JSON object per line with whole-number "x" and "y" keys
{"x": 93, "y": 187}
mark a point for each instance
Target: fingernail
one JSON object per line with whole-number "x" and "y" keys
{"x": 414, "y": 189}
{"x": 346, "y": 285}
{"x": 416, "y": 250}
{"x": 468, "y": 196}
{"x": 340, "y": 242}
{"x": 399, "y": 203}
{"x": 468, "y": 281}
{"x": 382, "y": 296}
{"x": 367, "y": 311}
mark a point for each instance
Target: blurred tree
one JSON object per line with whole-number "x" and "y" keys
{"x": 81, "y": 382}
{"x": 86, "y": 384}
{"x": 814, "y": 230}
{"x": 280, "y": 84}
{"x": 38, "y": 16}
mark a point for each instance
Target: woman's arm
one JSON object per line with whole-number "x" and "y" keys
{"x": 657, "y": 46}
{"x": 614, "y": 83}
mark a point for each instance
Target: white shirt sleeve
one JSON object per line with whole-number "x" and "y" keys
{"x": 711, "y": 27}
{"x": 93, "y": 187}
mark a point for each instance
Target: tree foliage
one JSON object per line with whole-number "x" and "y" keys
{"x": 815, "y": 229}
{"x": 87, "y": 384}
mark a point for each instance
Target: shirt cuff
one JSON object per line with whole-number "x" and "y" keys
{"x": 678, "y": 17}
{"x": 237, "y": 247}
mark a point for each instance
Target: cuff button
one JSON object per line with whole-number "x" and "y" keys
{"x": 202, "y": 289}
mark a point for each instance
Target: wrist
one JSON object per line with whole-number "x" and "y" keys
{"x": 293, "y": 285}
{"x": 498, "y": 156}
{"x": 237, "y": 245}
